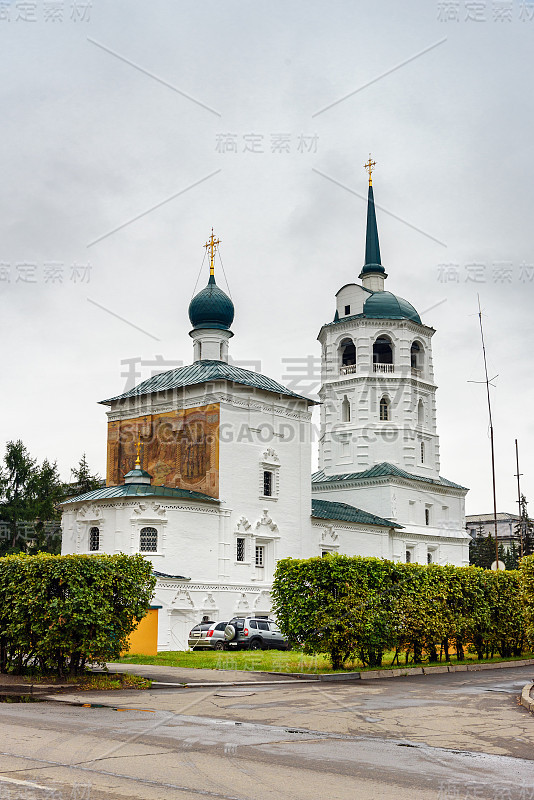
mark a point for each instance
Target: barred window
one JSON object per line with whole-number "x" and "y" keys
{"x": 422, "y": 452}
{"x": 148, "y": 540}
{"x": 240, "y": 549}
{"x": 94, "y": 539}
{"x": 260, "y": 555}
{"x": 267, "y": 484}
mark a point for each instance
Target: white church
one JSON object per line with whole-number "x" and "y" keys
{"x": 209, "y": 465}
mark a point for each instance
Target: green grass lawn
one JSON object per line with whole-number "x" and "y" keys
{"x": 268, "y": 661}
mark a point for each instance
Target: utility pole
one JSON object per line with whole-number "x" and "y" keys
{"x": 518, "y": 475}
{"x": 487, "y": 382}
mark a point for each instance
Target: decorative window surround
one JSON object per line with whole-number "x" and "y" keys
{"x": 269, "y": 463}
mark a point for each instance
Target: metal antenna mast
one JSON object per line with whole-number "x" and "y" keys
{"x": 518, "y": 475}
{"x": 487, "y": 382}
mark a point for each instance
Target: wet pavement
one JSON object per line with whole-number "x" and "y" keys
{"x": 458, "y": 736}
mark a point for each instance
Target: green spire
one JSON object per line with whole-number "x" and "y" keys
{"x": 372, "y": 246}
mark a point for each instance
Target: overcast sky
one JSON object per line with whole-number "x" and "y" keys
{"x": 120, "y": 126}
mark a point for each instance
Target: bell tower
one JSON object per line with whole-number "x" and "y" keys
{"x": 378, "y": 390}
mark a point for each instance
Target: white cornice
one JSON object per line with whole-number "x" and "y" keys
{"x": 385, "y": 480}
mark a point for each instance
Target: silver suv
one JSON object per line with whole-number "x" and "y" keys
{"x": 254, "y": 633}
{"x": 207, "y": 635}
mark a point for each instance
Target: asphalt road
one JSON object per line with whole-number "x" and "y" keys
{"x": 448, "y": 737}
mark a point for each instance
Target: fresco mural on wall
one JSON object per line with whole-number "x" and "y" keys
{"x": 178, "y": 448}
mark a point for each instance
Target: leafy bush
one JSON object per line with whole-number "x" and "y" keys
{"x": 59, "y": 612}
{"x": 526, "y": 570}
{"x": 346, "y": 606}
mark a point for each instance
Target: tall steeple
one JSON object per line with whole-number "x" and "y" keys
{"x": 373, "y": 273}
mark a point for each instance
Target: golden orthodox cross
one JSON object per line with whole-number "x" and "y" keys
{"x": 212, "y": 244}
{"x": 370, "y": 167}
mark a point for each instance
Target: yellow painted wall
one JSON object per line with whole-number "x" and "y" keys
{"x": 144, "y": 639}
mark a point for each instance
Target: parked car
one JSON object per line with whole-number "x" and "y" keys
{"x": 254, "y": 633}
{"x": 207, "y": 635}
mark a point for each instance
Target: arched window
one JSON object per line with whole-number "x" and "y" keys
{"x": 429, "y": 557}
{"x": 348, "y": 353}
{"x": 148, "y": 540}
{"x": 420, "y": 412}
{"x": 384, "y": 409}
{"x": 416, "y": 356}
{"x": 94, "y": 539}
{"x": 408, "y": 556}
{"x": 345, "y": 410}
{"x": 422, "y": 452}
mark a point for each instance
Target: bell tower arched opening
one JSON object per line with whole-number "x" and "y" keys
{"x": 348, "y": 353}
{"x": 383, "y": 354}
{"x": 417, "y": 357}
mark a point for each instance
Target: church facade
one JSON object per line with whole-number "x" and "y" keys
{"x": 220, "y": 487}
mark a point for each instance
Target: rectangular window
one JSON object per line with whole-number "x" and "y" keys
{"x": 427, "y": 515}
{"x": 240, "y": 549}
{"x": 408, "y": 556}
{"x": 268, "y": 484}
{"x": 148, "y": 540}
{"x": 260, "y": 555}
{"x": 347, "y": 310}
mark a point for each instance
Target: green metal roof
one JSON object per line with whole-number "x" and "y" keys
{"x": 386, "y": 305}
{"x": 324, "y": 509}
{"x": 211, "y": 308}
{"x": 382, "y": 470}
{"x": 383, "y": 305}
{"x": 202, "y": 372}
{"x": 139, "y": 490}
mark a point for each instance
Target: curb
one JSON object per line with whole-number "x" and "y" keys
{"x": 527, "y": 700}
{"x": 401, "y": 672}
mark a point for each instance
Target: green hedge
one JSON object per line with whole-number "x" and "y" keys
{"x": 526, "y": 570}
{"x": 352, "y": 606}
{"x": 58, "y": 613}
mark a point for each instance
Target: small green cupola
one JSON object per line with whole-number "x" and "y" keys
{"x": 373, "y": 273}
{"x": 138, "y": 475}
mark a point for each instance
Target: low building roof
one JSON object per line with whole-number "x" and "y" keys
{"x": 382, "y": 470}
{"x": 501, "y": 517}
{"x": 325, "y": 509}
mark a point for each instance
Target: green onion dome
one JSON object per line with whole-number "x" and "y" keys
{"x": 211, "y": 308}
